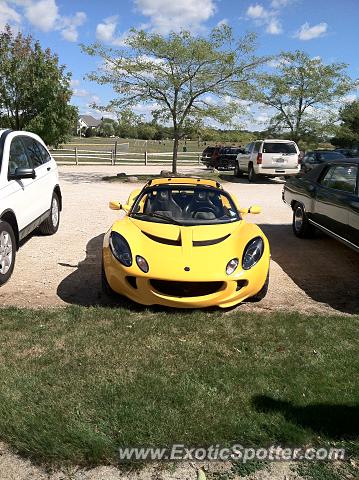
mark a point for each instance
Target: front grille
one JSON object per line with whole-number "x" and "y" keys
{"x": 186, "y": 289}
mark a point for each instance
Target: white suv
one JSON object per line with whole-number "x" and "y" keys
{"x": 272, "y": 158}
{"x": 30, "y": 195}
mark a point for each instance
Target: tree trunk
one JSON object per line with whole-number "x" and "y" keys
{"x": 175, "y": 152}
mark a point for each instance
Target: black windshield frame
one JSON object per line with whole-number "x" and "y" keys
{"x": 182, "y": 221}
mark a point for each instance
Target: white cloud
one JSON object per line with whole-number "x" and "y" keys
{"x": 280, "y": 3}
{"x": 70, "y": 25}
{"x": 222, "y": 22}
{"x": 350, "y": 98}
{"x": 167, "y": 15}
{"x": 94, "y": 99}
{"x": 274, "y": 27}
{"x": 74, "y": 83}
{"x": 8, "y": 15}
{"x": 42, "y": 14}
{"x": 306, "y": 32}
{"x": 80, "y": 92}
{"x": 256, "y": 11}
{"x": 106, "y": 32}
{"x": 263, "y": 17}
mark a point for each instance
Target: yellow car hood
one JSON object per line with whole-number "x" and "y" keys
{"x": 195, "y": 253}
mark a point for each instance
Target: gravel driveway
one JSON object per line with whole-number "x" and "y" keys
{"x": 306, "y": 275}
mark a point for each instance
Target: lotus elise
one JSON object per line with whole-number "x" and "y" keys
{"x": 184, "y": 243}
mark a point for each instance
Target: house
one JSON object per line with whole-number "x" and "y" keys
{"x": 87, "y": 121}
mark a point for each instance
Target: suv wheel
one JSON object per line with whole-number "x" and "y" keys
{"x": 7, "y": 251}
{"x": 301, "y": 226}
{"x": 237, "y": 172}
{"x": 251, "y": 173}
{"x": 51, "y": 224}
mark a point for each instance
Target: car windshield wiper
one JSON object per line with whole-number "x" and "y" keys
{"x": 158, "y": 215}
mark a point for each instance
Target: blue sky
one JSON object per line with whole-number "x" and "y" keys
{"x": 325, "y": 28}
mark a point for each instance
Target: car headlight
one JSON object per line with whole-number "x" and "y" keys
{"x": 231, "y": 266}
{"x": 120, "y": 249}
{"x": 142, "y": 263}
{"x": 252, "y": 253}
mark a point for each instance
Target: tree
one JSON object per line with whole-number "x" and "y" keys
{"x": 107, "y": 128}
{"x": 127, "y": 123}
{"x": 182, "y": 76}
{"x": 347, "y": 134}
{"x": 34, "y": 89}
{"x": 300, "y": 91}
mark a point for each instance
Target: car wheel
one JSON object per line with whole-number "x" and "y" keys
{"x": 237, "y": 172}
{"x": 262, "y": 292}
{"x": 106, "y": 289}
{"x": 251, "y": 173}
{"x": 51, "y": 224}
{"x": 301, "y": 226}
{"x": 7, "y": 251}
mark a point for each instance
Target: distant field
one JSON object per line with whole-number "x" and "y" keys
{"x": 134, "y": 145}
{"x": 128, "y": 151}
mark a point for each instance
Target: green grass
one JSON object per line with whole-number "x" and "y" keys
{"x": 79, "y": 382}
{"x": 327, "y": 471}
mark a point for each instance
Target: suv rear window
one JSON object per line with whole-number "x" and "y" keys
{"x": 275, "y": 147}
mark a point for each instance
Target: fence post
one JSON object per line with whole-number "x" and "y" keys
{"x": 146, "y": 157}
{"x": 199, "y": 159}
{"x": 76, "y": 157}
{"x": 115, "y": 152}
{"x": 112, "y": 158}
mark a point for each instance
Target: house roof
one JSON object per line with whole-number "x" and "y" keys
{"x": 90, "y": 121}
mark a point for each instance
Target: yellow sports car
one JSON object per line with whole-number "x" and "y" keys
{"x": 184, "y": 243}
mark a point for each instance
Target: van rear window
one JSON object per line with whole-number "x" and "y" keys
{"x": 269, "y": 147}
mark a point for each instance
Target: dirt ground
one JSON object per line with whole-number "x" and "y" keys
{"x": 317, "y": 275}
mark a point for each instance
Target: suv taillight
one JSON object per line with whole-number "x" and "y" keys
{"x": 299, "y": 159}
{"x": 259, "y": 158}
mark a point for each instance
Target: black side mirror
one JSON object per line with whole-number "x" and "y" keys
{"x": 21, "y": 173}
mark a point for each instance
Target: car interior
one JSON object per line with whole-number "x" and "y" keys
{"x": 186, "y": 204}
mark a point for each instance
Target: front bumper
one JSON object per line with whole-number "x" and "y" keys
{"x": 146, "y": 288}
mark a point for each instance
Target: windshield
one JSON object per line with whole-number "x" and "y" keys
{"x": 185, "y": 205}
{"x": 279, "y": 147}
{"x": 330, "y": 156}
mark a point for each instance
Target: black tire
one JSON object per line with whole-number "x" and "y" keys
{"x": 237, "y": 172}
{"x": 106, "y": 289}
{"x": 51, "y": 224}
{"x": 300, "y": 224}
{"x": 262, "y": 292}
{"x": 251, "y": 173}
{"x": 7, "y": 241}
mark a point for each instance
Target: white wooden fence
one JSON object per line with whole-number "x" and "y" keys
{"x": 76, "y": 156}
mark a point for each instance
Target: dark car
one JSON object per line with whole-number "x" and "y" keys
{"x": 226, "y": 159}
{"x": 210, "y": 155}
{"x": 317, "y": 157}
{"x": 326, "y": 198}
{"x": 348, "y": 152}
